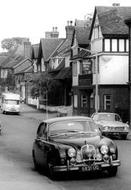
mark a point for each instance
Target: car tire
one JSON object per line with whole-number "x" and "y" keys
{"x": 123, "y": 137}
{"x": 36, "y": 165}
{"x": 112, "y": 171}
{"x": 51, "y": 173}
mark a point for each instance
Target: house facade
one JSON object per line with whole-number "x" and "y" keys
{"x": 109, "y": 50}
{"x": 82, "y": 76}
{"x": 54, "y": 63}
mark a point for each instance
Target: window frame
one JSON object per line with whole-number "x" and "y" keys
{"x": 105, "y": 106}
{"x": 82, "y": 101}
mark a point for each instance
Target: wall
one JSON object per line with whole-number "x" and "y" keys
{"x": 120, "y": 99}
{"x": 113, "y": 69}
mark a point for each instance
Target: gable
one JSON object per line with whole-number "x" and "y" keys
{"x": 49, "y": 46}
{"x": 96, "y": 31}
{"x": 75, "y": 46}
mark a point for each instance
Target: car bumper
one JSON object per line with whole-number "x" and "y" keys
{"x": 84, "y": 167}
{"x": 114, "y": 133}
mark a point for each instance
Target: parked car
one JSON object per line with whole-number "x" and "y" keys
{"x": 73, "y": 143}
{"x": 111, "y": 124}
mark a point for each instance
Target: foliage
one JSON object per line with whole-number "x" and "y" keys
{"x": 11, "y": 43}
{"x": 44, "y": 85}
{"x": 8, "y": 82}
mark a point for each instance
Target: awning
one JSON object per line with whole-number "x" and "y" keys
{"x": 65, "y": 73}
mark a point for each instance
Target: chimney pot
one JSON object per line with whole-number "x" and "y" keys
{"x": 116, "y": 4}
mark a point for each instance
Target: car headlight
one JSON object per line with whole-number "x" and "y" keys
{"x": 126, "y": 128}
{"x": 62, "y": 153}
{"x": 104, "y": 149}
{"x": 105, "y": 128}
{"x": 112, "y": 149}
{"x": 71, "y": 152}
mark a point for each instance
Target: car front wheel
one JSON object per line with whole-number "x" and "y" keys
{"x": 36, "y": 165}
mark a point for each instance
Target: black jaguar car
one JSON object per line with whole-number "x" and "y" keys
{"x": 75, "y": 144}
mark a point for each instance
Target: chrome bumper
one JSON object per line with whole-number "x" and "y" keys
{"x": 84, "y": 167}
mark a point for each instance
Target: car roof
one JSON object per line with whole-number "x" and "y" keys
{"x": 104, "y": 113}
{"x": 66, "y": 118}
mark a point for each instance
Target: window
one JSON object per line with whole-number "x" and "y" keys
{"x": 84, "y": 101}
{"x": 75, "y": 69}
{"x": 121, "y": 45}
{"x": 107, "y": 45}
{"x": 92, "y": 100}
{"x": 114, "y": 44}
{"x": 41, "y": 130}
{"x": 75, "y": 101}
{"x": 107, "y": 102}
{"x": 127, "y": 45}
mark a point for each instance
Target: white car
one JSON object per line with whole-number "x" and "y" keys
{"x": 111, "y": 124}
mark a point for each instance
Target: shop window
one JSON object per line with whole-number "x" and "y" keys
{"x": 107, "y": 102}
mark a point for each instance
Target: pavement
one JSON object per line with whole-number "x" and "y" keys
{"x": 34, "y": 113}
{"x": 40, "y": 115}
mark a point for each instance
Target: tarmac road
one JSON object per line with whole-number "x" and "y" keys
{"x": 16, "y": 166}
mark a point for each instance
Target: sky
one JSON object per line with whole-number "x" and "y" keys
{"x": 32, "y": 18}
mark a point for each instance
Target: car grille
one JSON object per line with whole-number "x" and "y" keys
{"x": 116, "y": 128}
{"x": 88, "y": 151}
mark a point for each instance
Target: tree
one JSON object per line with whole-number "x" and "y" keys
{"x": 11, "y": 43}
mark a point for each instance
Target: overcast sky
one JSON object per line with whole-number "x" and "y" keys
{"x": 31, "y": 18}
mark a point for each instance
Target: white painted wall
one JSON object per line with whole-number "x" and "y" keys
{"x": 76, "y": 73}
{"x": 113, "y": 69}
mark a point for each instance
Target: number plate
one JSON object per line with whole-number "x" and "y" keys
{"x": 90, "y": 168}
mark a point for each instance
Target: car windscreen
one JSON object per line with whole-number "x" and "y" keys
{"x": 109, "y": 117}
{"x": 73, "y": 126}
{"x": 11, "y": 102}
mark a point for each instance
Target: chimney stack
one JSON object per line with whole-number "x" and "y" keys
{"x": 69, "y": 29}
{"x": 27, "y": 49}
{"x": 53, "y": 34}
{"x": 116, "y": 4}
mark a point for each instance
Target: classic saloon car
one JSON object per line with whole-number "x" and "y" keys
{"x": 111, "y": 124}
{"x": 74, "y": 143}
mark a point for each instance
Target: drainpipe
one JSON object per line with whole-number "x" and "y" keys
{"x": 128, "y": 23}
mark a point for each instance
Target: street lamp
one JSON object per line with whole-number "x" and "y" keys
{"x": 96, "y": 81}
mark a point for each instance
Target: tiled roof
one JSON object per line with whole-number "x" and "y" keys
{"x": 81, "y": 55}
{"x": 25, "y": 70}
{"x": 11, "y": 61}
{"x": 82, "y": 30}
{"x": 2, "y": 58}
{"x": 66, "y": 46}
{"x": 23, "y": 66}
{"x": 49, "y": 46}
{"x": 111, "y": 19}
